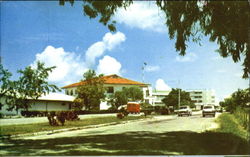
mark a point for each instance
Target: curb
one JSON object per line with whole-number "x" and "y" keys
{"x": 67, "y": 129}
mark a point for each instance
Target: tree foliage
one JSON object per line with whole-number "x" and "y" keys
{"x": 173, "y": 97}
{"x": 5, "y": 83}
{"x": 127, "y": 94}
{"x": 224, "y": 22}
{"x": 31, "y": 84}
{"x": 91, "y": 92}
{"x": 240, "y": 98}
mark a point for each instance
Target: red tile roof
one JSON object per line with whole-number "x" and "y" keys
{"x": 111, "y": 79}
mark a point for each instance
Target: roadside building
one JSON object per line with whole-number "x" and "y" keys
{"x": 114, "y": 83}
{"x": 49, "y": 102}
{"x": 203, "y": 97}
{"x": 158, "y": 96}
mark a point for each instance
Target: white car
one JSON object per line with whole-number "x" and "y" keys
{"x": 208, "y": 110}
{"x": 185, "y": 110}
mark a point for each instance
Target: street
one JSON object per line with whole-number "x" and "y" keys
{"x": 158, "y": 124}
{"x": 159, "y": 135}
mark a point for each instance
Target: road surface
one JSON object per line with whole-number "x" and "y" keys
{"x": 157, "y": 124}
{"x": 160, "y": 135}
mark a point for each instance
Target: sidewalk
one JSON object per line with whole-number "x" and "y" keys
{"x": 30, "y": 120}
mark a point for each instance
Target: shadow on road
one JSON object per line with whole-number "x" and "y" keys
{"x": 132, "y": 143}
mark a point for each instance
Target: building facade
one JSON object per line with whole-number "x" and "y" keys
{"x": 49, "y": 102}
{"x": 203, "y": 97}
{"x": 114, "y": 83}
{"x": 158, "y": 96}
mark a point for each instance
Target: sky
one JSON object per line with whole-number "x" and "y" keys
{"x": 62, "y": 36}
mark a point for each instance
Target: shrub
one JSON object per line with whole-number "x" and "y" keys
{"x": 120, "y": 115}
{"x": 59, "y": 117}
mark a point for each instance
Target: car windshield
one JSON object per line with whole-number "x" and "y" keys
{"x": 207, "y": 107}
{"x": 183, "y": 107}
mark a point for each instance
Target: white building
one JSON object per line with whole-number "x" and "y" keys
{"x": 203, "y": 97}
{"x": 49, "y": 102}
{"x": 158, "y": 96}
{"x": 114, "y": 83}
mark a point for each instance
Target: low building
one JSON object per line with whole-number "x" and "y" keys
{"x": 114, "y": 83}
{"x": 49, "y": 102}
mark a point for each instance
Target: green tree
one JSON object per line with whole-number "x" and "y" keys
{"x": 31, "y": 84}
{"x": 133, "y": 93}
{"x": 91, "y": 92}
{"x": 172, "y": 98}
{"x": 240, "y": 98}
{"x": 5, "y": 84}
{"x": 127, "y": 94}
{"x": 224, "y": 22}
{"x": 118, "y": 99}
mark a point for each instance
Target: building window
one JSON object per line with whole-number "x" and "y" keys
{"x": 197, "y": 96}
{"x": 71, "y": 92}
{"x": 147, "y": 93}
{"x": 110, "y": 90}
{"x": 200, "y": 101}
{"x": 197, "y": 92}
{"x": 67, "y": 92}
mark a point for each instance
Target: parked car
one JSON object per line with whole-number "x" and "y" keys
{"x": 218, "y": 109}
{"x": 208, "y": 110}
{"x": 185, "y": 110}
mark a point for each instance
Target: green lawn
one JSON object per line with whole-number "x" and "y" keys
{"x": 37, "y": 127}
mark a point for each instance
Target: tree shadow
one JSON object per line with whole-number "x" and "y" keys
{"x": 132, "y": 143}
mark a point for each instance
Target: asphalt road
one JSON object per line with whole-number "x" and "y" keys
{"x": 157, "y": 124}
{"x": 160, "y": 135}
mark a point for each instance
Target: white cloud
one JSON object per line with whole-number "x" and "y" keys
{"x": 189, "y": 57}
{"x": 142, "y": 15}
{"x": 108, "y": 42}
{"x": 151, "y": 68}
{"x": 69, "y": 66}
{"x": 109, "y": 65}
{"x": 161, "y": 85}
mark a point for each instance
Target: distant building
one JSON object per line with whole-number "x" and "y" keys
{"x": 158, "y": 96}
{"x": 114, "y": 83}
{"x": 202, "y": 97}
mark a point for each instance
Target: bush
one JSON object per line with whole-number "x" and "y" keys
{"x": 56, "y": 118}
{"x": 120, "y": 115}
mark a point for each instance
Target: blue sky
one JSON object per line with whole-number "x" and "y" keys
{"x": 62, "y": 36}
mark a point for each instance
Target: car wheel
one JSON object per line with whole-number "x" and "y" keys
{"x": 203, "y": 115}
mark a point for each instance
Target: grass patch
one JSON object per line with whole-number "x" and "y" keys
{"x": 229, "y": 124}
{"x": 37, "y": 127}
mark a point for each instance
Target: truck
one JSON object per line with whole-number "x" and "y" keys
{"x": 133, "y": 107}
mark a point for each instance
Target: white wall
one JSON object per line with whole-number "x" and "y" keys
{"x": 37, "y": 106}
{"x": 49, "y": 106}
{"x": 4, "y": 108}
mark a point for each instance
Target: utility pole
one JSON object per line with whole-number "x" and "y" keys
{"x": 179, "y": 94}
{"x": 143, "y": 67}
